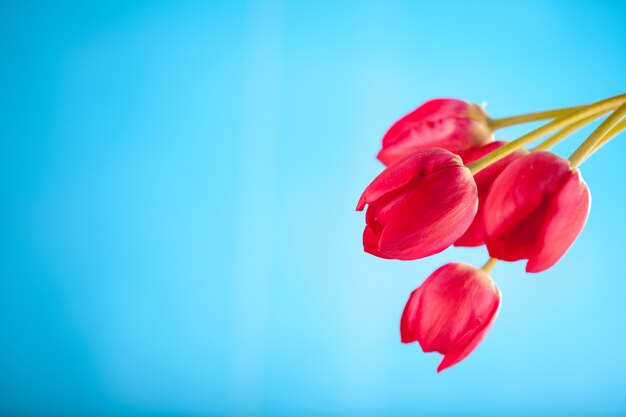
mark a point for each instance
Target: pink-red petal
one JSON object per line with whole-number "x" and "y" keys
{"x": 418, "y": 206}
{"x": 456, "y": 356}
{"x": 451, "y": 312}
{"x": 475, "y": 234}
{"x": 565, "y": 218}
{"x": 409, "y": 321}
{"x": 370, "y": 243}
{"x": 451, "y": 124}
{"x": 518, "y": 204}
{"x": 410, "y": 169}
{"x": 432, "y": 216}
{"x": 456, "y": 302}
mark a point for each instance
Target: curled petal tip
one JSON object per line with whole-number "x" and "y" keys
{"x": 361, "y": 204}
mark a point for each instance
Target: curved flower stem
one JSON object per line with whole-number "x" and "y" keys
{"x": 596, "y": 136}
{"x": 617, "y": 129}
{"x": 503, "y": 122}
{"x": 598, "y": 108}
{"x": 489, "y": 265}
{"x": 563, "y": 133}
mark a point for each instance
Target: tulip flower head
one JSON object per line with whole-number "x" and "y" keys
{"x": 535, "y": 210}
{"x": 455, "y": 125}
{"x": 451, "y": 312}
{"x": 418, "y": 206}
{"x": 447, "y": 182}
{"x": 475, "y": 235}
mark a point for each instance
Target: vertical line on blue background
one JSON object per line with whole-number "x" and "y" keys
{"x": 255, "y": 205}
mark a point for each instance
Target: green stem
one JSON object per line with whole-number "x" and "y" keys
{"x": 600, "y": 107}
{"x": 596, "y": 136}
{"x": 489, "y": 265}
{"x": 563, "y": 133}
{"x": 496, "y": 124}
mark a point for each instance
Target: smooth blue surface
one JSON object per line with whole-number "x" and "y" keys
{"x": 178, "y": 180}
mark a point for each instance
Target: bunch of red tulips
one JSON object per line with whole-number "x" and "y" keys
{"x": 447, "y": 182}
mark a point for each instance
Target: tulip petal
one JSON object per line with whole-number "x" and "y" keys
{"x": 475, "y": 234}
{"x": 409, "y": 321}
{"x": 431, "y": 216}
{"x": 400, "y": 174}
{"x": 454, "y": 357}
{"x": 456, "y": 302}
{"x": 425, "y": 116}
{"x": 451, "y": 124}
{"x": 451, "y": 312}
{"x": 370, "y": 243}
{"x": 565, "y": 218}
{"x": 376, "y": 216}
{"x": 519, "y": 202}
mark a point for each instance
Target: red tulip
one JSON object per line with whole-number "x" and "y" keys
{"x": 451, "y": 312}
{"x": 418, "y": 206}
{"x": 535, "y": 210}
{"x": 475, "y": 235}
{"x": 455, "y": 125}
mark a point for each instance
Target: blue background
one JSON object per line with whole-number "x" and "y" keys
{"x": 177, "y": 228}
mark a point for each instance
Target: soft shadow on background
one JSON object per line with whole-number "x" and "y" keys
{"x": 177, "y": 229}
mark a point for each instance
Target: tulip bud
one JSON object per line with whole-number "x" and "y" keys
{"x": 455, "y": 125}
{"x": 536, "y": 209}
{"x": 475, "y": 234}
{"x": 451, "y": 312}
{"x": 418, "y": 206}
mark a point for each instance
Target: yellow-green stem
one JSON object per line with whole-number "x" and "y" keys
{"x": 563, "y": 133}
{"x": 596, "y": 136}
{"x": 503, "y": 122}
{"x": 598, "y": 108}
{"x": 617, "y": 129}
{"x": 489, "y": 265}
